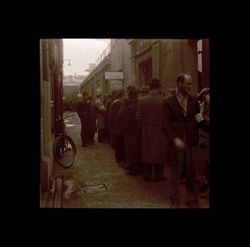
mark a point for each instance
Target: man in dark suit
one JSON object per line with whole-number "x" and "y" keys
{"x": 182, "y": 119}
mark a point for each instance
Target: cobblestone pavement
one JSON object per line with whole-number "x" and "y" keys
{"x": 96, "y": 181}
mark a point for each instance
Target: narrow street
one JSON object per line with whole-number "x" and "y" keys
{"x": 96, "y": 181}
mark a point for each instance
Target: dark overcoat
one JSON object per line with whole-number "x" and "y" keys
{"x": 131, "y": 130}
{"x": 153, "y": 141}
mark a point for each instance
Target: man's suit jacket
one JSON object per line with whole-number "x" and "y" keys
{"x": 176, "y": 124}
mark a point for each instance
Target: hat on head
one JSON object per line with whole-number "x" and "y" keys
{"x": 154, "y": 83}
{"x": 132, "y": 89}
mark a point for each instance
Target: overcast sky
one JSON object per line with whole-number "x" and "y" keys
{"x": 81, "y": 52}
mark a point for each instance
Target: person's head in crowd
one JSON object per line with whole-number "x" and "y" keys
{"x": 184, "y": 83}
{"x": 114, "y": 94}
{"x": 84, "y": 95}
{"x": 154, "y": 84}
{"x": 204, "y": 95}
{"x": 144, "y": 90}
{"x": 132, "y": 91}
{"x": 98, "y": 96}
{"x": 121, "y": 93}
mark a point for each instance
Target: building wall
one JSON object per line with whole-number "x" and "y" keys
{"x": 205, "y": 63}
{"x": 120, "y": 60}
{"x": 178, "y": 56}
{"x": 168, "y": 65}
{"x": 139, "y": 81}
{"x": 51, "y": 54}
{"x": 189, "y": 61}
{"x": 47, "y": 137}
{"x": 144, "y": 51}
{"x": 116, "y": 60}
{"x": 126, "y": 62}
{"x": 169, "y": 58}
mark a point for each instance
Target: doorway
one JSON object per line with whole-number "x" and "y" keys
{"x": 145, "y": 71}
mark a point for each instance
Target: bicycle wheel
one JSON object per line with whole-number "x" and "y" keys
{"x": 64, "y": 151}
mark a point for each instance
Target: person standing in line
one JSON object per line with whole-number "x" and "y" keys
{"x": 107, "y": 122}
{"x": 153, "y": 142}
{"x": 182, "y": 119}
{"x": 131, "y": 131}
{"x": 83, "y": 111}
{"x": 92, "y": 121}
{"x": 100, "y": 112}
{"x": 116, "y": 126}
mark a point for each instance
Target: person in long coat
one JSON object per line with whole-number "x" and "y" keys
{"x": 100, "y": 112}
{"x": 83, "y": 111}
{"x": 116, "y": 126}
{"x": 107, "y": 122}
{"x": 131, "y": 131}
{"x": 92, "y": 121}
{"x": 153, "y": 141}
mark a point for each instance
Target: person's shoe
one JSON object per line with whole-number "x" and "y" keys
{"x": 147, "y": 179}
{"x": 175, "y": 203}
{"x": 133, "y": 173}
{"x": 159, "y": 179}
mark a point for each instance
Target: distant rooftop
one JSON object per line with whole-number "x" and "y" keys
{"x": 73, "y": 80}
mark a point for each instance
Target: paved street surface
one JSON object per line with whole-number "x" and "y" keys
{"x": 96, "y": 181}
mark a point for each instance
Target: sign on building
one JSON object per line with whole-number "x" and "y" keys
{"x": 115, "y": 84}
{"x": 114, "y": 75}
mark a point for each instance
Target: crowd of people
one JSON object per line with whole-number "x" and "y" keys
{"x": 147, "y": 129}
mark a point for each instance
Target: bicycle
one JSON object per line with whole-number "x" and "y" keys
{"x": 64, "y": 149}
